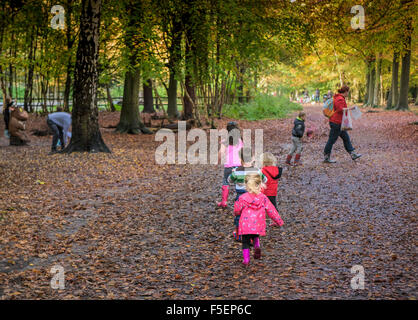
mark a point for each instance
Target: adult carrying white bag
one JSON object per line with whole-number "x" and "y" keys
{"x": 355, "y": 112}
{"x": 347, "y": 123}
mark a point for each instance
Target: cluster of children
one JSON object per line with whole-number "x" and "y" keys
{"x": 256, "y": 189}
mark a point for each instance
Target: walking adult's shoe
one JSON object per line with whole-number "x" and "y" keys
{"x": 355, "y": 156}
{"x": 327, "y": 159}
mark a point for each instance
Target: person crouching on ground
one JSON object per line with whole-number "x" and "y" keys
{"x": 59, "y": 123}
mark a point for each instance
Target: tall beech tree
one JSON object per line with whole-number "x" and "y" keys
{"x": 130, "y": 121}
{"x": 86, "y": 134}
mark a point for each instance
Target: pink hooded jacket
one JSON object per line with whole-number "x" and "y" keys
{"x": 253, "y": 208}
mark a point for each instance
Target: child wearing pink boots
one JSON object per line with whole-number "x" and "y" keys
{"x": 230, "y": 149}
{"x": 252, "y": 207}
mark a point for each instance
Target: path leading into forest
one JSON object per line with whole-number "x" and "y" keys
{"x": 123, "y": 227}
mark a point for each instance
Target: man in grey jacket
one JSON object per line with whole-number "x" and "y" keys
{"x": 59, "y": 123}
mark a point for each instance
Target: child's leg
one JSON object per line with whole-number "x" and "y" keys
{"x": 246, "y": 249}
{"x": 225, "y": 188}
{"x": 257, "y": 249}
{"x": 292, "y": 151}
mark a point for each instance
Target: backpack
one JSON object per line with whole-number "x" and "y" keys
{"x": 328, "y": 108}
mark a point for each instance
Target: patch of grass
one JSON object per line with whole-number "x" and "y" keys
{"x": 263, "y": 106}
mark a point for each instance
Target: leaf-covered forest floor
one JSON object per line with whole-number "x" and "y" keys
{"x": 124, "y": 227}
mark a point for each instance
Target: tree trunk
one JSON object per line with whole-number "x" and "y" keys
{"x": 404, "y": 88}
{"x": 376, "y": 91}
{"x": 393, "y": 94}
{"x": 129, "y": 117}
{"x": 175, "y": 57}
{"x": 240, "y": 84}
{"x": 29, "y": 81}
{"x": 191, "y": 91}
{"x": 109, "y": 98}
{"x": 371, "y": 85}
{"x": 395, "y": 80}
{"x": 148, "y": 96}
{"x": 366, "y": 97}
{"x": 70, "y": 43}
{"x": 130, "y": 121}
{"x": 86, "y": 134}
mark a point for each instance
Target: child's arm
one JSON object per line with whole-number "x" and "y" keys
{"x": 280, "y": 173}
{"x": 238, "y": 206}
{"x": 231, "y": 178}
{"x": 273, "y": 214}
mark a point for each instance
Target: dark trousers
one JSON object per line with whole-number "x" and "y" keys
{"x": 246, "y": 240}
{"x": 57, "y": 132}
{"x": 273, "y": 201}
{"x": 334, "y": 133}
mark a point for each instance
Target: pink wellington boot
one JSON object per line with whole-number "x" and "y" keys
{"x": 225, "y": 192}
{"x": 257, "y": 250}
{"x": 246, "y": 255}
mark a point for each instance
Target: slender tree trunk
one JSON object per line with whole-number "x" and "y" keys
{"x": 70, "y": 67}
{"x": 109, "y": 98}
{"x": 240, "y": 84}
{"x": 29, "y": 80}
{"x": 148, "y": 96}
{"x": 191, "y": 92}
{"x": 393, "y": 93}
{"x": 366, "y": 97}
{"x": 175, "y": 57}
{"x": 86, "y": 134}
{"x": 371, "y": 84}
{"x": 404, "y": 87}
{"x": 395, "y": 80}
{"x": 376, "y": 91}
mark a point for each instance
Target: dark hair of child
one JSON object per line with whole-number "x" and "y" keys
{"x": 233, "y": 138}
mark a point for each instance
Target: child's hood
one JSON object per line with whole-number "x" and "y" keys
{"x": 253, "y": 201}
{"x": 272, "y": 171}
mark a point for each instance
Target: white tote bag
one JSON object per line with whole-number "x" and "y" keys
{"x": 347, "y": 123}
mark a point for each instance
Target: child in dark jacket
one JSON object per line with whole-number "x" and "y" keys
{"x": 297, "y": 134}
{"x": 273, "y": 174}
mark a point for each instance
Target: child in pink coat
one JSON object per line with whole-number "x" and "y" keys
{"x": 230, "y": 149}
{"x": 253, "y": 206}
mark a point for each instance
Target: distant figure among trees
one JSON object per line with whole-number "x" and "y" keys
{"x": 6, "y": 115}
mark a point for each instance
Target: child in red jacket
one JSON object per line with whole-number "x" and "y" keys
{"x": 273, "y": 174}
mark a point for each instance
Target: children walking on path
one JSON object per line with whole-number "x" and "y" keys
{"x": 273, "y": 174}
{"x": 230, "y": 149}
{"x": 238, "y": 178}
{"x": 297, "y": 134}
{"x": 252, "y": 207}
